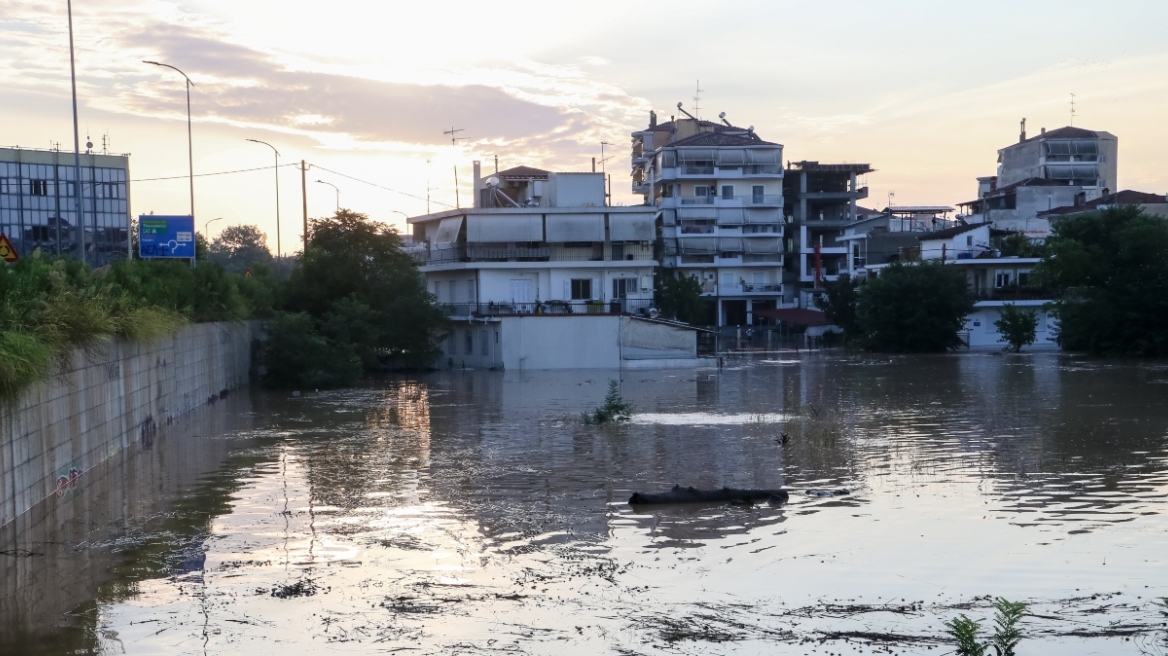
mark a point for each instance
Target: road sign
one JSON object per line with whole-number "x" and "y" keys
{"x": 7, "y": 250}
{"x": 166, "y": 236}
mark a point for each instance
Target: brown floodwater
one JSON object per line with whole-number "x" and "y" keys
{"x": 475, "y": 513}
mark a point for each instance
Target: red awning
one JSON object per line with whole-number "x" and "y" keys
{"x": 794, "y": 316}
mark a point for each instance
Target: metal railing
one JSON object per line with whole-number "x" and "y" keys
{"x": 1012, "y": 293}
{"x": 544, "y": 253}
{"x": 639, "y": 307}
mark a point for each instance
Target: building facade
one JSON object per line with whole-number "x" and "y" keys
{"x": 38, "y": 204}
{"x": 717, "y": 191}
{"x": 1064, "y": 167}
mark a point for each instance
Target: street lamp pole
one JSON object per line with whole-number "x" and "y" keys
{"x": 207, "y": 228}
{"x": 335, "y": 188}
{"x": 279, "y": 252}
{"x": 76, "y": 143}
{"x": 190, "y": 141}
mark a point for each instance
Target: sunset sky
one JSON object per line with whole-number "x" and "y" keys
{"x": 925, "y": 92}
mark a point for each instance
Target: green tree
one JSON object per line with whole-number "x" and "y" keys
{"x": 917, "y": 308}
{"x": 239, "y": 248}
{"x": 1019, "y": 245}
{"x": 1108, "y": 274}
{"x": 839, "y": 304}
{"x": 1018, "y": 327}
{"x": 361, "y": 292}
{"x": 680, "y": 297}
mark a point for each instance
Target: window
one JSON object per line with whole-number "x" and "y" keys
{"x": 1023, "y": 278}
{"x": 624, "y": 287}
{"x": 701, "y": 190}
{"x": 969, "y": 240}
{"x": 727, "y": 192}
{"x": 485, "y": 342}
{"x": 1002, "y": 279}
{"x": 38, "y": 187}
{"x": 470, "y": 342}
{"x": 7, "y": 186}
{"x": 581, "y": 289}
{"x": 756, "y": 193}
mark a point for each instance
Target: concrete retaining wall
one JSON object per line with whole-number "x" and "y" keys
{"x": 106, "y": 400}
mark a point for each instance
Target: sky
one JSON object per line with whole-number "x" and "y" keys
{"x": 926, "y": 92}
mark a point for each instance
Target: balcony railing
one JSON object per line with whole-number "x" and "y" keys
{"x": 640, "y": 307}
{"x": 1012, "y": 293}
{"x": 543, "y": 253}
{"x": 698, "y": 229}
{"x": 751, "y": 288}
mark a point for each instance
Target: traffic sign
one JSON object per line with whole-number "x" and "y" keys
{"x": 166, "y": 236}
{"x": 7, "y": 250}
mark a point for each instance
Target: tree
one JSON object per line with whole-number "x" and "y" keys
{"x": 239, "y": 248}
{"x": 1018, "y": 327}
{"x": 917, "y": 308}
{"x": 362, "y": 292}
{"x": 680, "y": 297}
{"x": 839, "y": 304}
{"x": 1108, "y": 274}
{"x": 1018, "y": 245}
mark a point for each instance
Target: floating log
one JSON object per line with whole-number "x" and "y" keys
{"x": 690, "y": 495}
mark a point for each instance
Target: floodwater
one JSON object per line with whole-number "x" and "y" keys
{"x": 474, "y": 513}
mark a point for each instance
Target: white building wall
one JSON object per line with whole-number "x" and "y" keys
{"x": 973, "y": 240}
{"x": 561, "y": 342}
{"x": 983, "y": 335}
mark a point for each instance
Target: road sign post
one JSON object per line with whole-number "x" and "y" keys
{"x": 167, "y": 237}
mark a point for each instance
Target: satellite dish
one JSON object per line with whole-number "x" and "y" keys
{"x": 679, "y": 105}
{"x": 89, "y": 144}
{"x": 722, "y": 115}
{"x": 493, "y": 181}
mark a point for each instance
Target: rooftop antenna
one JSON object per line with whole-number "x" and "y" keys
{"x": 1073, "y": 114}
{"x": 105, "y": 143}
{"x": 698, "y": 99}
{"x": 603, "y": 159}
{"x": 454, "y": 142}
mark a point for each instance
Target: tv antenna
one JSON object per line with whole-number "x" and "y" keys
{"x": 1073, "y": 114}
{"x": 697, "y": 100}
{"x": 453, "y": 139}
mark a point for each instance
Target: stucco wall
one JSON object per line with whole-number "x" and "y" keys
{"x": 983, "y": 335}
{"x": 561, "y": 342}
{"x": 106, "y": 400}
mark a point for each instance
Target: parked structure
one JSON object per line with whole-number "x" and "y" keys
{"x": 1064, "y": 167}
{"x": 38, "y": 204}
{"x": 717, "y": 191}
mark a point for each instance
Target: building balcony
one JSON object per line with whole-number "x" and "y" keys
{"x": 1012, "y": 293}
{"x": 842, "y": 194}
{"x": 641, "y": 307}
{"x": 750, "y": 289}
{"x": 617, "y": 252}
{"x": 721, "y": 172}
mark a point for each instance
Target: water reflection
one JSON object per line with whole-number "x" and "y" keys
{"x": 482, "y": 499}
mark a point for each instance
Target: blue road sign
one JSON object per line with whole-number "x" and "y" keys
{"x": 166, "y": 236}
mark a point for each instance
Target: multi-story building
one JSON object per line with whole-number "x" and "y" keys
{"x": 718, "y": 192}
{"x": 820, "y": 201}
{"x": 890, "y": 236}
{"x": 1064, "y": 167}
{"x": 541, "y": 273}
{"x": 38, "y": 204}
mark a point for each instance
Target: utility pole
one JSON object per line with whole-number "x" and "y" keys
{"x": 304, "y": 200}
{"x": 76, "y": 143}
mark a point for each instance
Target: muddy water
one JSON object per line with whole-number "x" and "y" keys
{"x": 472, "y": 512}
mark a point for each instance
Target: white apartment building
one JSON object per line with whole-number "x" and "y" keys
{"x": 526, "y": 273}
{"x": 718, "y": 193}
{"x": 1065, "y": 167}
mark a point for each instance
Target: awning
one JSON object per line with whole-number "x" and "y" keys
{"x": 575, "y": 227}
{"x": 1086, "y": 148}
{"x": 767, "y": 156}
{"x": 731, "y": 216}
{"x": 1058, "y": 148}
{"x": 763, "y": 215}
{"x": 763, "y": 245}
{"x": 448, "y": 232}
{"x": 731, "y": 157}
{"x": 668, "y": 159}
{"x": 631, "y": 227}
{"x": 1073, "y": 172}
{"x": 794, "y": 316}
{"x": 730, "y": 245}
{"x": 695, "y": 154}
{"x": 504, "y": 228}
{"x": 698, "y": 245}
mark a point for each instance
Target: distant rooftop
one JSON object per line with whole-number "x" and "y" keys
{"x": 1126, "y": 197}
{"x": 810, "y": 166}
{"x": 725, "y": 138}
{"x": 951, "y": 232}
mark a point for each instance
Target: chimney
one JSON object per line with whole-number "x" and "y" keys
{"x": 652, "y": 119}
{"x": 1044, "y": 130}
{"x": 478, "y": 181}
{"x": 1022, "y": 137}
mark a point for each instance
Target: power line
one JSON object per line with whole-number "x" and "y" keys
{"x": 374, "y": 184}
{"x": 199, "y": 175}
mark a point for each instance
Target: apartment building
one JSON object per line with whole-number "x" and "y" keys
{"x": 717, "y": 191}
{"x": 1058, "y": 168}
{"x": 38, "y": 204}
{"x": 820, "y": 200}
{"x": 542, "y": 274}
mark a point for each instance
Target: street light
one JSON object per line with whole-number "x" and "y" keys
{"x": 76, "y": 146}
{"x": 336, "y": 189}
{"x": 190, "y": 146}
{"x": 279, "y": 252}
{"x": 207, "y": 228}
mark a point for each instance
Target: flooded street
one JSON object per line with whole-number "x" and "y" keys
{"x": 474, "y": 513}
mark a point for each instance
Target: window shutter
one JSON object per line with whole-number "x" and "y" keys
{"x": 567, "y": 290}
{"x": 595, "y": 289}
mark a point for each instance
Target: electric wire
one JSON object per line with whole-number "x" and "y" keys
{"x": 374, "y": 184}
{"x": 200, "y": 175}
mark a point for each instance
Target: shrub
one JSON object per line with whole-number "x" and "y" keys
{"x": 1006, "y": 633}
{"x": 296, "y": 356}
{"x": 1018, "y": 327}
{"x": 615, "y": 407}
{"x": 913, "y": 309}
